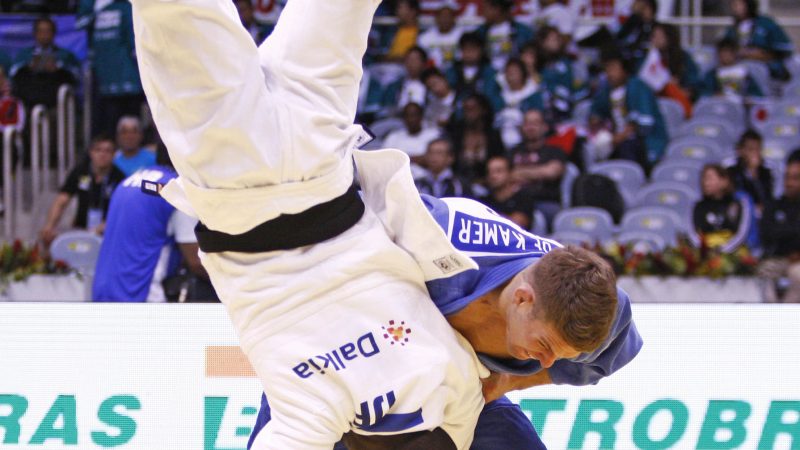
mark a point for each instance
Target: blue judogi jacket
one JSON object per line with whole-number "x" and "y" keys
{"x": 502, "y": 249}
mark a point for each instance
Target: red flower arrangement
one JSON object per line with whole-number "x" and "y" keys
{"x": 19, "y": 261}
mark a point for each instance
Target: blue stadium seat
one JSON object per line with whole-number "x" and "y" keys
{"x": 674, "y": 196}
{"x": 628, "y": 175}
{"x": 673, "y": 113}
{"x": 595, "y": 222}
{"x": 685, "y": 171}
{"x": 570, "y": 174}
{"x": 710, "y": 127}
{"x": 79, "y": 249}
{"x": 659, "y": 220}
{"x": 695, "y": 148}
{"x": 642, "y": 241}
{"x": 572, "y": 238}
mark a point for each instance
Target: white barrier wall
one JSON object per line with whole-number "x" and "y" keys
{"x": 158, "y": 377}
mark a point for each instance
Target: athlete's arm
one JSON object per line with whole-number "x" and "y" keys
{"x": 498, "y": 384}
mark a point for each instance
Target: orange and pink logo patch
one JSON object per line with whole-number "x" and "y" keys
{"x": 396, "y": 334}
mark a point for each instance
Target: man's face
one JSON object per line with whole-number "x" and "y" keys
{"x": 445, "y": 20}
{"x": 414, "y": 64}
{"x": 471, "y": 54}
{"x": 533, "y": 126}
{"x": 791, "y": 181}
{"x": 739, "y": 8}
{"x": 438, "y": 156}
{"x": 750, "y": 152}
{"x": 552, "y": 42}
{"x": 659, "y": 38}
{"x": 405, "y": 13}
{"x": 44, "y": 34}
{"x": 129, "y": 138}
{"x": 412, "y": 117}
{"x": 615, "y": 73}
{"x": 102, "y": 154}
{"x": 530, "y": 336}
{"x": 497, "y": 173}
{"x": 491, "y": 13}
{"x": 438, "y": 86}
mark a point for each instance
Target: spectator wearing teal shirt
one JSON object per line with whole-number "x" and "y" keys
{"x": 760, "y": 38}
{"x": 119, "y": 88}
{"x": 131, "y": 156}
{"x": 731, "y": 78}
{"x": 631, "y": 108}
{"x": 503, "y": 35}
{"x": 473, "y": 74}
{"x": 39, "y": 71}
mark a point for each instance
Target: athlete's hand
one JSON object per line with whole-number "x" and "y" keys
{"x": 496, "y": 385}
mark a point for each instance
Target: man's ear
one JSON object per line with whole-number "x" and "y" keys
{"x": 524, "y": 295}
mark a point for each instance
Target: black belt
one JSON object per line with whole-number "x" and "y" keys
{"x": 288, "y": 231}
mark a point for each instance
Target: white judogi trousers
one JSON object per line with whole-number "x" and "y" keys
{"x": 342, "y": 334}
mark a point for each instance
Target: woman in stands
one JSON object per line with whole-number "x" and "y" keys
{"x": 720, "y": 217}
{"x": 760, "y": 38}
{"x": 685, "y": 79}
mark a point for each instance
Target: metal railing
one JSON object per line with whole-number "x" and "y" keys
{"x": 40, "y": 152}
{"x": 11, "y": 143}
{"x": 65, "y": 118}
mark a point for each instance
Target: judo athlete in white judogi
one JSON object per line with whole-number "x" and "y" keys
{"x": 327, "y": 295}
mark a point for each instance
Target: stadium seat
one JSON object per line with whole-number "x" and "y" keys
{"x": 686, "y": 172}
{"x": 710, "y": 127}
{"x": 642, "y": 241}
{"x": 595, "y": 222}
{"x": 732, "y": 112}
{"x": 570, "y": 174}
{"x": 673, "y": 113}
{"x": 79, "y": 249}
{"x": 760, "y": 74}
{"x": 628, "y": 175}
{"x": 675, "y": 196}
{"x": 655, "y": 219}
{"x": 781, "y": 128}
{"x": 539, "y": 222}
{"x": 694, "y": 148}
{"x": 778, "y": 150}
{"x": 572, "y": 238}
{"x": 792, "y": 89}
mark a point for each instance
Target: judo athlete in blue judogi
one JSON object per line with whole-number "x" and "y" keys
{"x": 503, "y": 253}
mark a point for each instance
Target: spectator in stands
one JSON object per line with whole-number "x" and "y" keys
{"x": 441, "y": 102}
{"x": 248, "y": 18}
{"x": 505, "y": 196}
{"x": 557, "y": 14}
{"x": 539, "y": 167}
{"x": 669, "y": 70}
{"x": 559, "y": 84}
{"x": 633, "y": 38}
{"x": 731, "y": 78}
{"x": 503, "y": 35}
{"x": 630, "y": 107}
{"x": 780, "y": 235}
{"x": 473, "y": 74}
{"x": 39, "y": 71}
{"x": 93, "y": 181}
{"x": 760, "y": 38}
{"x": 794, "y": 156}
{"x": 474, "y": 137}
{"x": 518, "y": 91}
{"x": 410, "y": 87}
{"x": 116, "y": 72}
{"x": 749, "y": 174}
{"x": 722, "y": 219}
{"x": 404, "y": 37}
{"x": 438, "y": 179}
{"x": 441, "y": 41}
{"x": 12, "y": 111}
{"x": 413, "y": 138}
{"x": 131, "y": 156}
{"x": 143, "y": 231}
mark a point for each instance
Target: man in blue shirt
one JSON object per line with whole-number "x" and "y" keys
{"x": 131, "y": 156}
{"x": 144, "y": 239}
{"x": 519, "y": 273}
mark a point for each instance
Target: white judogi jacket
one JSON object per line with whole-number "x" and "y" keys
{"x": 259, "y": 132}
